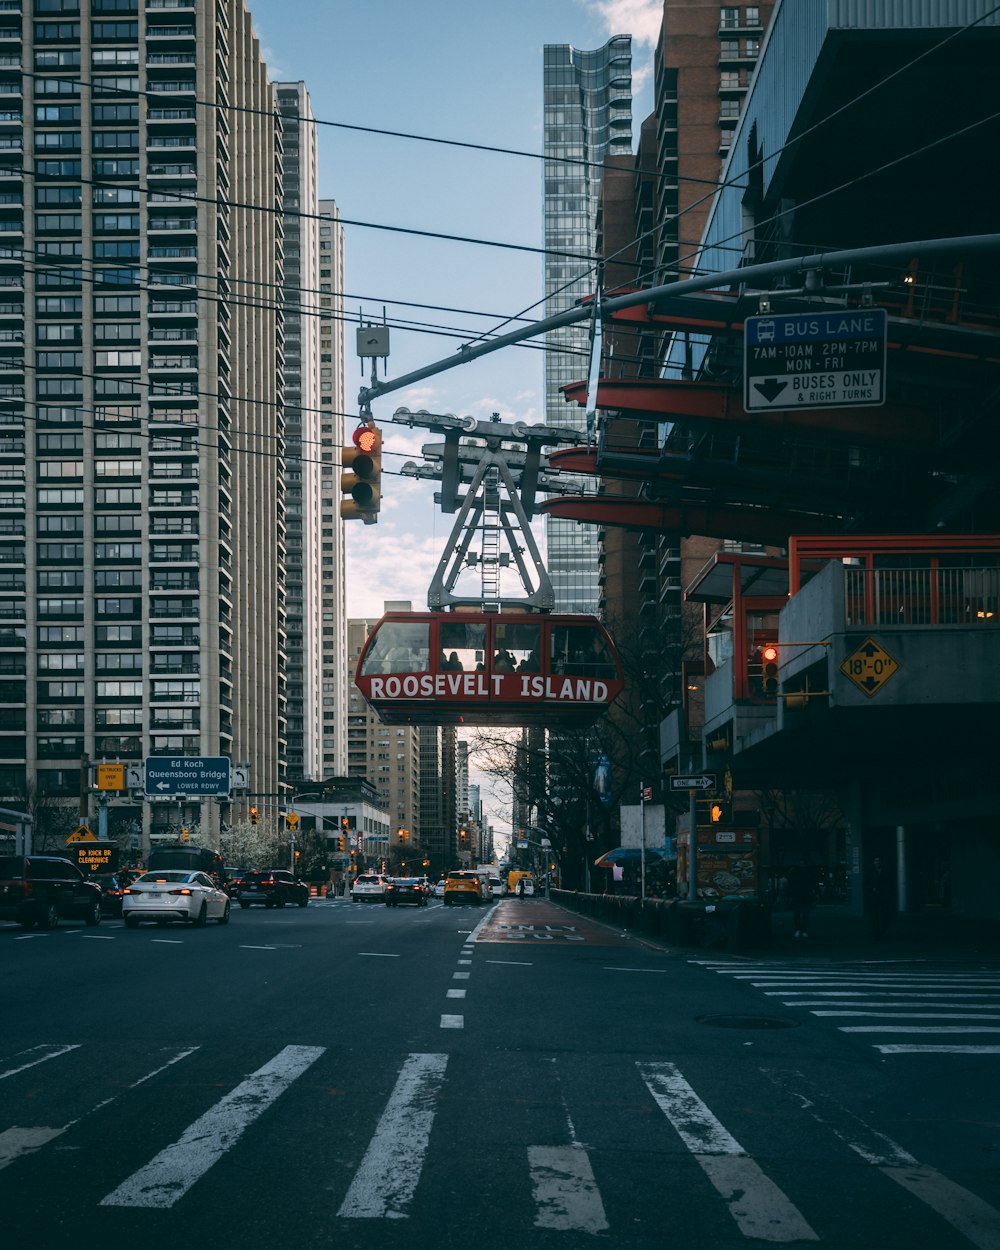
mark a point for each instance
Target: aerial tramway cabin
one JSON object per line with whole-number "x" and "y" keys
{"x": 475, "y": 668}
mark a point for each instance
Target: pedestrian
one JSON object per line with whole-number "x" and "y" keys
{"x": 879, "y": 898}
{"x": 520, "y": 888}
{"x": 801, "y": 892}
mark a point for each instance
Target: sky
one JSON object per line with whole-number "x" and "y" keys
{"x": 449, "y": 69}
{"x": 461, "y": 70}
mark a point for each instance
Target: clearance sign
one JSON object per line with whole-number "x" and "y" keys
{"x": 96, "y": 856}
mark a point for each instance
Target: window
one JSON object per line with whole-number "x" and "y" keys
{"x": 60, "y": 633}
{"x": 59, "y": 416}
{"x": 119, "y": 661}
{"x": 47, "y": 304}
{"x": 119, "y": 689}
{"x": 110, "y": 716}
{"x": 60, "y": 661}
{"x": 117, "y": 221}
{"x": 57, "y": 169}
{"x": 67, "y": 59}
{"x": 118, "y": 579}
{"x": 116, "y": 167}
{"x": 63, "y": 717}
{"x": 61, "y": 524}
{"x": 58, "y": 195}
{"x": 114, "y": 30}
{"x": 47, "y": 496}
{"x": 59, "y": 360}
{"x": 56, "y": 139}
{"x": 60, "y": 579}
{"x": 120, "y": 495}
{"x": 117, "y": 633}
{"x": 60, "y": 607}
{"x": 65, "y": 32}
{"x": 103, "y": 114}
{"x": 57, "y": 112}
{"x": 114, "y": 250}
{"x": 60, "y": 552}
{"x": 114, "y": 139}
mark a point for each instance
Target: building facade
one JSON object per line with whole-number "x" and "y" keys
{"x": 388, "y": 756}
{"x": 142, "y": 581}
{"x": 302, "y": 428}
{"x": 328, "y": 651}
{"x": 587, "y": 116}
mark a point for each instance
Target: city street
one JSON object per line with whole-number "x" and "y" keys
{"x": 517, "y": 1076}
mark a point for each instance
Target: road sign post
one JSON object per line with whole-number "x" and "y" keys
{"x": 815, "y": 359}
{"x": 194, "y": 776}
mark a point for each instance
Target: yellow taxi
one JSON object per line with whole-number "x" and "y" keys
{"x": 462, "y": 886}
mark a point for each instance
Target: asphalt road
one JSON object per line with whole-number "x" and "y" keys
{"x": 358, "y": 1076}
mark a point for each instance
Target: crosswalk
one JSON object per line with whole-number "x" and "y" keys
{"x": 902, "y": 1010}
{"x": 173, "y": 1131}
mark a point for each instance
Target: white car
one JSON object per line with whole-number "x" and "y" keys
{"x": 174, "y": 894}
{"x": 439, "y": 889}
{"x": 368, "y": 888}
{"x": 497, "y": 888}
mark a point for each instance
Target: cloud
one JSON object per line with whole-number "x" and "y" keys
{"x": 639, "y": 18}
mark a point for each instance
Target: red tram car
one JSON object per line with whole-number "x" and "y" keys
{"x": 473, "y": 668}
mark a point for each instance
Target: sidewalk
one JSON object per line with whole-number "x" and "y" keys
{"x": 834, "y": 933}
{"x": 925, "y": 935}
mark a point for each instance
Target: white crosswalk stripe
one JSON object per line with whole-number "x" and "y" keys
{"x": 912, "y": 1002}
{"x": 563, "y": 1176}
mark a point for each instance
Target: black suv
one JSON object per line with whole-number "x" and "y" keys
{"x": 44, "y": 889}
{"x": 274, "y": 887}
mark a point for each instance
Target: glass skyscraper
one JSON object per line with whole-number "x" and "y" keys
{"x": 588, "y": 116}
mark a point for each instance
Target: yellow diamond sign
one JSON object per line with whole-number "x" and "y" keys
{"x": 81, "y": 834}
{"x": 869, "y": 667}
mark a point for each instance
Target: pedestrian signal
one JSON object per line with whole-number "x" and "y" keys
{"x": 361, "y": 479}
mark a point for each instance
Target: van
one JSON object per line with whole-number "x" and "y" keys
{"x": 518, "y": 875}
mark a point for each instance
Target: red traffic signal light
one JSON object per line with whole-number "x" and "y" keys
{"x": 361, "y": 478}
{"x": 254, "y": 815}
{"x": 769, "y": 670}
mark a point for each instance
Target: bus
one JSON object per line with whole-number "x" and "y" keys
{"x": 188, "y": 858}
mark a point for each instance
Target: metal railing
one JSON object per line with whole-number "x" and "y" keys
{"x": 922, "y": 596}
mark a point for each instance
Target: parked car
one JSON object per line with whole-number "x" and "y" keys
{"x": 369, "y": 887}
{"x": 462, "y": 886}
{"x": 405, "y": 890}
{"x": 44, "y": 889}
{"x": 274, "y": 887}
{"x": 174, "y": 894}
{"x": 113, "y": 885}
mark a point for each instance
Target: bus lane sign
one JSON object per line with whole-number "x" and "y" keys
{"x": 820, "y": 359}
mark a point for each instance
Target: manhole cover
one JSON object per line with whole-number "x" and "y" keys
{"x": 749, "y": 1022}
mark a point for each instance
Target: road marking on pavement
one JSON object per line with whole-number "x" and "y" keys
{"x": 456, "y": 993}
{"x": 914, "y": 1028}
{"x": 464, "y": 963}
{"x": 386, "y": 1180}
{"x": 612, "y": 968}
{"x": 565, "y": 1191}
{"x": 19, "y": 1141}
{"x": 453, "y": 1022}
{"x": 51, "y": 1052}
{"x": 378, "y": 955}
{"x": 98, "y": 937}
{"x": 513, "y": 963}
{"x": 257, "y": 948}
{"x": 903, "y": 1049}
{"x": 25, "y": 937}
{"x": 963, "y": 1210}
{"x": 908, "y": 1015}
{"x": 461, "y": 976}
{"x": 167, "y": 941}
{"x": 169, "y": 1176}
{"x": 757, "y": 1205}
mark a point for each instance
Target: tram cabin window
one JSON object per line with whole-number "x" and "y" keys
{"x": 518, "y": 648}
{"x": 463, "y": 646}
{"x": 400, "y": 647}
{"x": 580, "y": 651}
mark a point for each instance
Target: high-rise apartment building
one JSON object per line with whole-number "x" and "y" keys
{"x": 302, "y": 428}
{"x": 588, "y": 116}
{"x": 329, "y": 653}
{"x": 142, "y": 455}
{"x": 386, "y": 755}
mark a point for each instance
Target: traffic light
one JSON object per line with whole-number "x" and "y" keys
{"x": 184, "y": 835}
{"x": 402, "y": 835}
{"x": 463, "y": 837}
{"x": 361, "y": 478}
{"x": 254, "y": 815}
{"x": 340, "y": 842}
{"x": 769, "y": 671}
